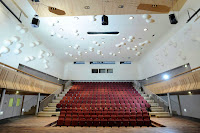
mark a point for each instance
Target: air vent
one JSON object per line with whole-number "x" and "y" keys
{"x": 103, "y": 33}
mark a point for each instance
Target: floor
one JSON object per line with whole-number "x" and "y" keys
{"x": 37, "y": 124}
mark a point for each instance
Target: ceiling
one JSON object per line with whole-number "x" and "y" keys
{"x": 65, "y": 29}
{"x": 99, "y": 7}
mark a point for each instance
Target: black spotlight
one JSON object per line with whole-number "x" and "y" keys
{"x": 173, "y": 19}
{"x": 104, "y": 20}
{"x": 35, "y": 22}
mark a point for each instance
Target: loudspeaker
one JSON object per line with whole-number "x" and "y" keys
{"x": 35, "y": 23}
{"x": 104, "y": 20}
{"x": 173, "y": 19}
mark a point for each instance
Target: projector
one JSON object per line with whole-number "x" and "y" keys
{"x": 104, "y": 20}
{"x": 35, "y": 22}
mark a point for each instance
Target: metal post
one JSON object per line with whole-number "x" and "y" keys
{"x": 179, "y": 103}
{"x": 2, "y": 98}
{"x": 169, "y": 102}
{"x": 38, "y": 102}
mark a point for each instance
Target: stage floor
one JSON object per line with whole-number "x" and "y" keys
{"x": 37, "y": 124}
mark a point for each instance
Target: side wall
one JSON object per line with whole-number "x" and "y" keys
{"x": 8, "y": 29}
{"x": 189, "y": 105}
{"x": 83, "y": 71}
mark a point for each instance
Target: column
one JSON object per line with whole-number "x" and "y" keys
{"x": 38, "y": 102}
{"x": 2, "y": 99}
{"x": 169, "y": 102}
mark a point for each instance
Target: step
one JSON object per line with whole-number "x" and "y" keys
{"x": 158, "y": 113}
{"x": 157, "y": 107}
{"x": 61, "y": 95}
{"x": 52, "y": 104}
{"x": 55, "y": 101}
{"x": 163, "y": 116}
{"x": 144, "y": 95}
{"x": 154, "y": 104}
{"x": 49, "y": 107}
{"x": 147, "y": 98}
{"x": 49, "y": 110}
{"x": 59, "y": 98}
{"x": 150, "y": 101}
{"x": 48, "y": 114}
{"x": 157, "y": 110}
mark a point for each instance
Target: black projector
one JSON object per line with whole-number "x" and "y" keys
{"x": 35, "y": 22}
{"x": 104, "y": 20}
{"x": 173, "y": 19}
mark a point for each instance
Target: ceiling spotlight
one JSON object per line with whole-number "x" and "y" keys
{"x": 76, "y": 58}
{"x": 189, "y": 92}
{"x": 70, "y": 46}
{"x": 82, "y": 38}
{"x": 165, "y": 77}
{"x": 102, "y": 54}
{"x": 119, "y": 52}
{"x": 131, "y": 17}
{"x": 186, "y": 65}
{"x": 135, "y": 46}
{"x": 86, "y": 52}
{"x": 61, "y": 29}
{"x": 145, "y": 29}
{"x": 123, "y": 38}
{"x": 17, "y": 92}
{"x": 103, "y": 42}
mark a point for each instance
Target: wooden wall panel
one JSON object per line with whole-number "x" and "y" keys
{"x": 11, "y": 79}
{"x": 186, "y": 82}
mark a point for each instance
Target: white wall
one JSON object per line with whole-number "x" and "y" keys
{"x": 7, "y": 30}
{"x": 181, "y": 48}
{"x": 83, "y": 71}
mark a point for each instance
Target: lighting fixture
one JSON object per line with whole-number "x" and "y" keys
{"x": 131, "y": 17}
{"x": 102, "y": 54}
{"x": 17, "y": 92}
{"x": 119, "y": 52}
{"x": 70, "y": 46}
{"x": 123, "y": 38}
{"x": 145, "y": 29}
{"x": 103, "y": 42}
{"x": 186, "y": 65}
{"x": 58, "y": 79}
{"x": 189, "y": 92}
{"x": 76, "y": 58}
{"x": 82, "y": 38}
{"x": 135, "y": 46}
{"x": 86, "y": 52}
{"x": 166, "y": 77}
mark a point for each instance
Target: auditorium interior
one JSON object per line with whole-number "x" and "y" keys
{"x": 86, "y": 66}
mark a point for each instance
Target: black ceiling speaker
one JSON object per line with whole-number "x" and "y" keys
{"x": 173, "y": 19}
{"x": 104, "y": 20}
{"x": 35, "y": 22}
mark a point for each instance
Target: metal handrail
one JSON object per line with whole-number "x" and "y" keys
{"x": 29, "y": 74}
{"x": 174, "y": 76}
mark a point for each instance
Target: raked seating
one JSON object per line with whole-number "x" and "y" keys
{"x": 103, "y": 104}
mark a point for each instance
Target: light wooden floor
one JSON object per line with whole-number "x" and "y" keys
{"x": 36, "y": 124}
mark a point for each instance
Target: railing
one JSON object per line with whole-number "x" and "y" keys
{"x": 174, "y": 76}
{"x": 153, "y": 96}
{"x": 48, "y": 99}
{"x": 29, "y": 74}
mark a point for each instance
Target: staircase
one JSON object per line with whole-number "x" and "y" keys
{"x": 156, "y": 110}
{"x": 50, "y": 110}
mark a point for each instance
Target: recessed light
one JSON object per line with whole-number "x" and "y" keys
{"x": 61, "y": 29}
{"x": 131, "y": 17}
{"x": 82, "y": 38}
{"x": 145, "y": 29}
{"x": 186, "y": 65}
{"x": 123, "y": 38}
{"x": 86, "y": 52}
{"x": 102, "y": 54}
{"x": 103, "y": 42}
{"x": 17, "y": 92}
{"x": 119, "y": 52}
{"x": 70, "y": 46}
{"x": 76, "y": 58}
{"x": 190, "y": 92}
{"x": 136, "y": 46}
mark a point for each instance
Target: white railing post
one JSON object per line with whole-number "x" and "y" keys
{"x": 37, "y": 107}
{"x": 169, "y": 102}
